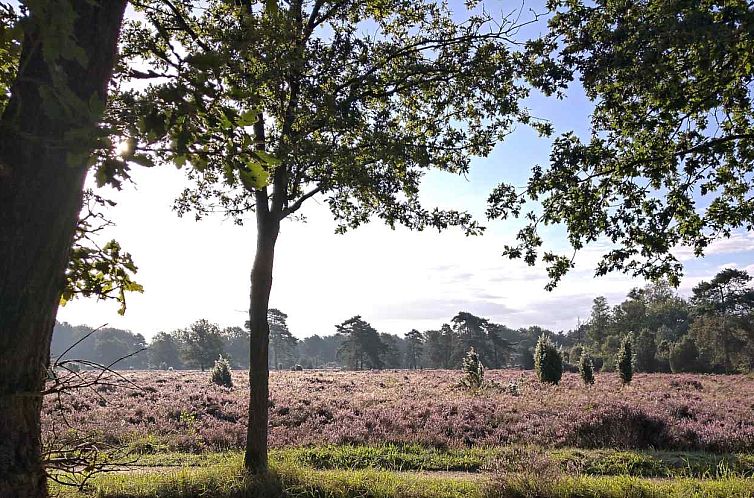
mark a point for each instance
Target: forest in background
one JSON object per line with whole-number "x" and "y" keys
{"x": 712, "y": 331}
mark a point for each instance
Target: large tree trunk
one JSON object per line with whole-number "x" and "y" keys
{"x": 268, "y": 227}
{"x": 40, "y": 200}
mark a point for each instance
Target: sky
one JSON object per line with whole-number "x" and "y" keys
{"x": 395, "y": 279}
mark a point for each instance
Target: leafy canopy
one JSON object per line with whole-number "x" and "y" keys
{"x": 670, "y": 158}
{"x": 354, "y": 100}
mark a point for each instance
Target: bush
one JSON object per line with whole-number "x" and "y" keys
{"x": 220, "y": 374}
{"x": 548, "y": 363}
{"x": 473, "y": 370}
{"x": 684, "y": 356}
{"x": 620, "y": 426}
{"x": 625, "y": 360}
{"x": 586, "y": 368}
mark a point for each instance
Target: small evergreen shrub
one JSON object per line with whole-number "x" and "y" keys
{"x": 220, "y": 374}
{"x": 548, "y": 363}
{"x": 473, "y": 370}
{"x": 625, "y": 360}
{"x": 586, "y": 368}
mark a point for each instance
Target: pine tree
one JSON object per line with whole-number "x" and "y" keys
{"x": 221, "y": 373}
{"x": 625, "y": 360}
{"x": 586, "y": 368}
{"x": 548, "y": 362}
{"x": 473, "y": 370}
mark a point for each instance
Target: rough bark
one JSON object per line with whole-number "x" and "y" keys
{"x": 268, "y": 228}
{"x": 40, "y": 200}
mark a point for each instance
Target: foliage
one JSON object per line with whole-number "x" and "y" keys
{"x": 625, "y": 360}
{"x": 646, "y": 352}
{"x": 414, "y": 349}
{"x": 548, "y": 362}
{"x": 164, "y": 351}
{"x": 361, "y": 346}
{"x": 684, "y": 356}
{"x": 586, "y": 368}
{"x": 669, "y": 158}
{"x": 427, "y": 92}
{"x": 94, "y": 270}
{"x": 201, "y": 343}
{"x": 724, "y": 307}
{"x": 473, "y": 370}
{"x": 220, "y": 374}
{"x": 282, "y": 342}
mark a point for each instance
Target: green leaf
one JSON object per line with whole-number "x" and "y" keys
{"x": 267, "y": 158}
{"x": 255, "y": 175}
{"x": 248, "y": 118}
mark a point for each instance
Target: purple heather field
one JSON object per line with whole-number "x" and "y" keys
{"x": 184, "y": 411}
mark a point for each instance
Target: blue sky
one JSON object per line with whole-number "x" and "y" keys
{"x": 397, "y": 280}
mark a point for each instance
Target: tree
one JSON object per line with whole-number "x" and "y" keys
{"x": 669, "y": 158}
{"x": 220, "y": 374}
{"x": 236, "y": 346}
{"x": 684, "y": 356}
{"x": 599, "y": 321}
{"x": 646, "y": 351}
{"x": 631, "y": 314}
{"x": 361, "y": 346}
{"x": 414, "y": 349}
{"x": 164, "y": 351}
{"x": 273, "y": 103}
{"x": 439, "y": 347}
{"x": 54, "y": 78}
{"x": 119, "y": 348}
{"x": 471, "y": 331}
{"x": 282, "y": 342}
{"x": 392, "y": 351}
{"x": 473, "y": 370}
{"x": 547, "y": 361}
{"x": 625, "y": 360}
{"x": 202, "y": 344}
{"x": 724, "y": 306}
{"x": 320, "y": 351}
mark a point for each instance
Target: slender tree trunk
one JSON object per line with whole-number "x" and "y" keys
{"x": 40, "y": 200}
{"x": 268, "y": 228}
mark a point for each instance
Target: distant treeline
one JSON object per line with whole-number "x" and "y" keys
{"x": 713, "y": 331}
{"x": 356, "y": 345}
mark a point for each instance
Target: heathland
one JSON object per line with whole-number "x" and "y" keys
{"x": 420, "y": 433}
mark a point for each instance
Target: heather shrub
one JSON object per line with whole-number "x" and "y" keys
{"x": 220, "y": 374}
{"x": 586, "y": 368}
{"x": 684, "y": 356}
{"x": 548, "y": 363}
{"x": 620, "y": 426}
{"x": 625, "y": 360}
{"x": 473, "y": 370}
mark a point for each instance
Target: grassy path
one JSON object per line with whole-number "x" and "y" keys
{"x": 417, "y": 472}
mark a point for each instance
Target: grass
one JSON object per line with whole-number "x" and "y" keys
{"x": 406, "y": 471}
{"x": 402, "y": 458}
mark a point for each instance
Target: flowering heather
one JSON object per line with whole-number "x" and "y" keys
{"x": 184, "y": 411}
